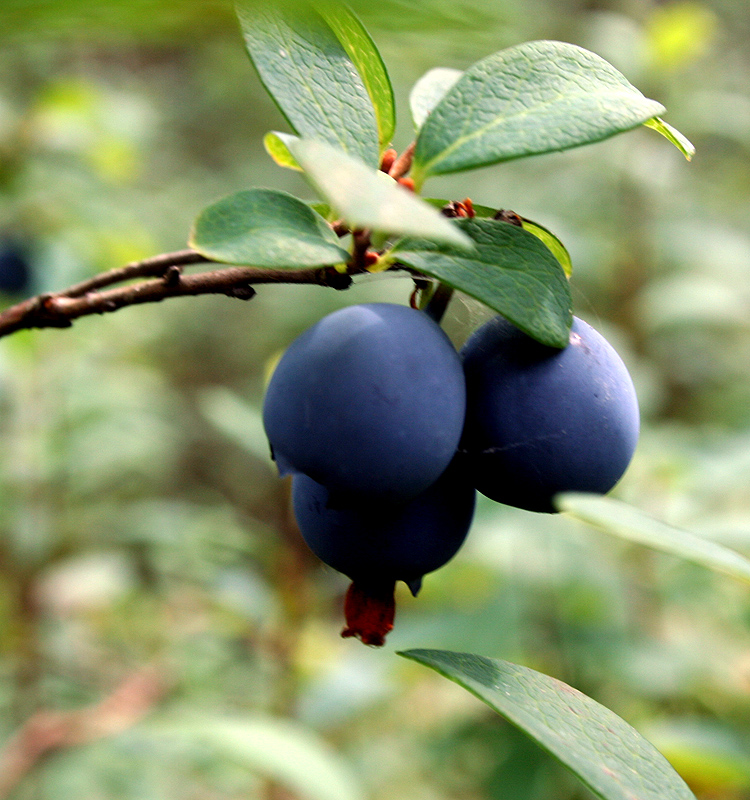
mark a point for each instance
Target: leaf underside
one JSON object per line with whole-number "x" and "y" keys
{"x": 368, "y": 198}
{"x": 626, "y": 521}
{"x": 509, "y": 269}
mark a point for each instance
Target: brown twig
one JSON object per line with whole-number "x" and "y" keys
{"x": 47, "y": 731}
{"x": 59, "y": 309}
{"x": 148, "y": 268}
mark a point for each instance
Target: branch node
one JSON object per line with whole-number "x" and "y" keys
{"x": 172, "y": 275}
{"x": 333, "y": 279}
{"x": 242, "y": 292}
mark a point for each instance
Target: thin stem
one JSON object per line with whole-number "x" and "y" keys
{"x": 148, "y": 268}
{"x": 437, "y": 305}
{"x": 59, "y": 309}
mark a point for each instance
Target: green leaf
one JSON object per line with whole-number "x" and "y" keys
{"x": 278, "y": 749}
{"x": 369, "y": 63}
{"x": 535, "y": 98}
{"x": 429, "y": 90}
{"x": 510, "y": 270}
{"x": 309, "y": 74}
{"x": 236, "y": 419}
{"x": 682, "y": 143}
{"x": 556, "y": 247}
{"x": 279, "y": 152}
{"x": 623, "y": 520}
{"x": 368, "y": 198}
{"x": 265, "y": 228}
{"x": 611, "y": 758}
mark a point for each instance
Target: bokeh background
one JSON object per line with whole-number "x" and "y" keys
{"x": 142, "y": 525}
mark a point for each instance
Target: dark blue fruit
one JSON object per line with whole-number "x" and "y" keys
{"x": 541, "y": 421}
{"x": 377, "y": 544}
{"x": 15, "y": 273}
{"x": 370, "y": 400}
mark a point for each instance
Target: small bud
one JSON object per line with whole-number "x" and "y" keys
{"x": 388, "y": 159}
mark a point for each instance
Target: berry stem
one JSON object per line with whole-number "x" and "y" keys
{"x": 437, "y": 302}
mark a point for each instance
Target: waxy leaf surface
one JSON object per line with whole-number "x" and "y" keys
{"x": 534, "y": 98}
{"x": 310, "y": 75}
{"x": 611, "y": 758}
{"x": 265, "y": 228}
{"x": 368, "y": 61}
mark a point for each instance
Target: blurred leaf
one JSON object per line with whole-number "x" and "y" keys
{"x": 288, "y": 753}
{"x": 368, "y": 198}
{"x": 308, "y": 72}
{"x": 510, "y": 270}
{"x": 278, "y": 151}
{"x": 608, "y": 755}
{"x": 682, "y": 143}
{"x": 429, "y": 90}
{"x": 237, "y": 419}
{"x": 265, "y": 228}
{"x": 621, "y": 519}
{"x": 679, "y": 33}
{"x": 535, "y": 98}
{"x": 710, "y": 755}
{"x": 368, "y": 61}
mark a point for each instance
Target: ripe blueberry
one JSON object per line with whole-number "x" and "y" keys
{"x": 370, "y": 400}
{"x": 15, "y": 273}
{"x": 541, "y": 421}
{"x": 376, "y": 544}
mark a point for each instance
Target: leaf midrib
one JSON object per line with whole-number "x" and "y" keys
{"x": 306, "y": 71}
{"x": 444, "y": 154}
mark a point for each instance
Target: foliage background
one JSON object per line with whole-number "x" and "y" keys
{"x": 140, "y": 518}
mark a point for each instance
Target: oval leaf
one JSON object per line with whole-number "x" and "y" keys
{"x": 509, "y": 269}
{"x": 429, "y": 90}
{"x": 265, "y": 228}
{"x": 276, "y": 748}
{"x": 310, "y": 75}
{"x": 369, "y": 63}
{"x": 600, "y": 748}
{"x": 556, "y": 247}
{"x": 535, "y": 98}
{"x": 368, "y": 198}
{"x": 627, "y": 522}
{"x": 682, "y": 143}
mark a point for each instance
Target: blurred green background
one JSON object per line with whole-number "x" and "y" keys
{"x": 141, "y": 522}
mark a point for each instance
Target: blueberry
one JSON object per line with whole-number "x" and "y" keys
{"x": 370, "y": 400}
{"x": 540, "y": 420}
{"x": 15, "y": 272}
{"x": 377, "y": 544}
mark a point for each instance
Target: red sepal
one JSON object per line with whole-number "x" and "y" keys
{"x": 369, "y": 612}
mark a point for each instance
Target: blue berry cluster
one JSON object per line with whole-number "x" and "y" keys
{"x": 388, "y": 432}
